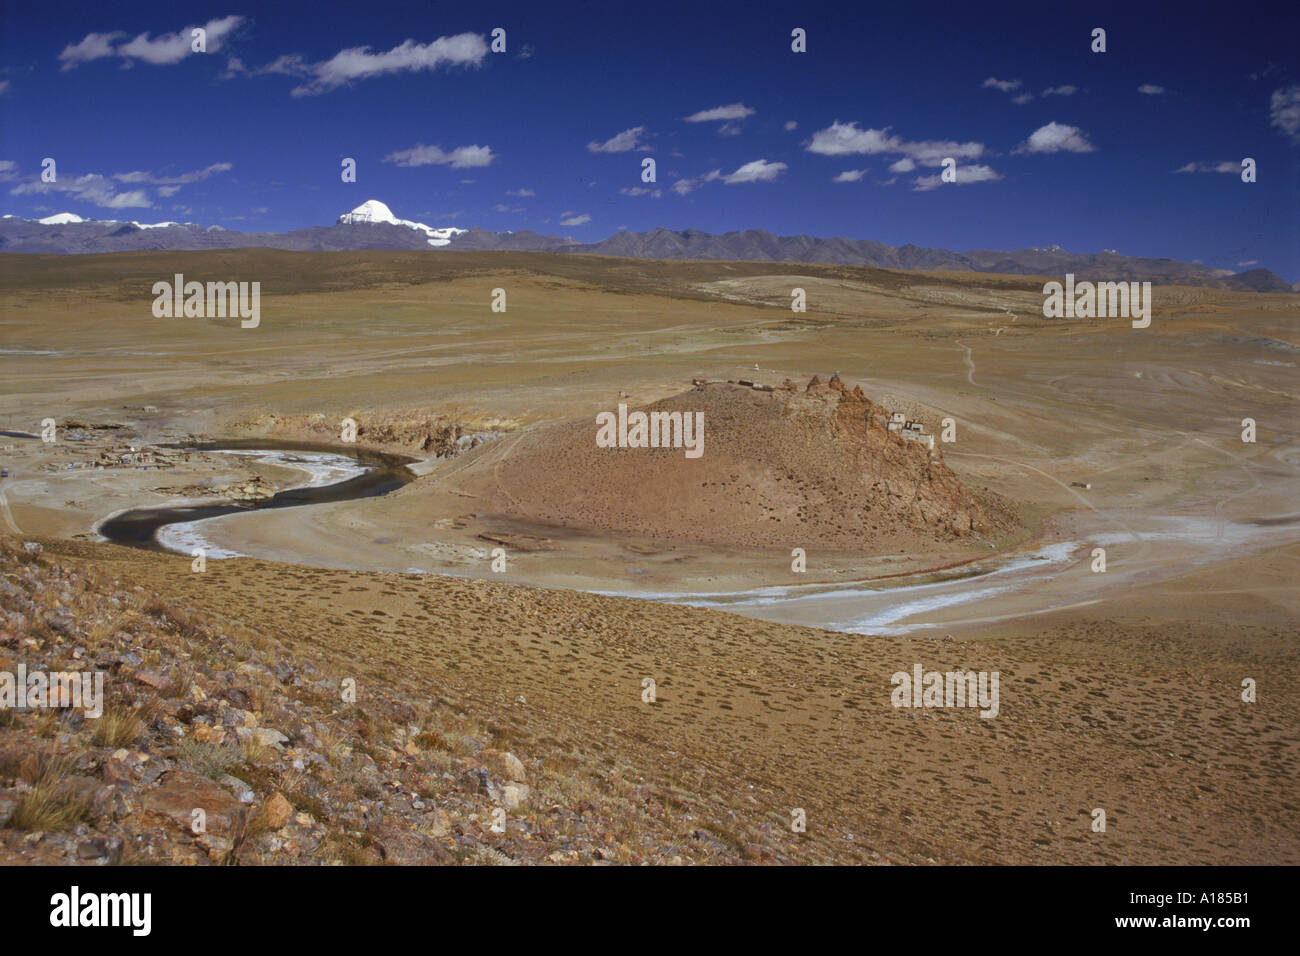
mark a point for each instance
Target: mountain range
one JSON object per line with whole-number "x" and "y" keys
{"x": 372, "y": 225}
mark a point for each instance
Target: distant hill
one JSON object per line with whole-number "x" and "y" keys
{"x": 1261, "y": 280}
{"x": 373, "y": 226}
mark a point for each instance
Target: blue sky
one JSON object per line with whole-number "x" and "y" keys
{"x": 1054, "y": 144}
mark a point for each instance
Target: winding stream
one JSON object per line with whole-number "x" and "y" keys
{"x": 332, "y": 475}
{"x": 1050, "y": 576}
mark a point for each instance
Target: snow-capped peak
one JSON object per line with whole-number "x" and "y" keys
{"x": 373, "y": 211}
{"x": 60, "y": 219}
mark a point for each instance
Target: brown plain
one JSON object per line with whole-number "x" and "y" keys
{"x": 1131, "y": 704}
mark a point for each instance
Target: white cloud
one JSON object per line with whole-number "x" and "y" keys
{"x": 1056, "y": 138}
{"x": 136, "y": 199}
{"x": 291, "y": 64}
{"x": 1226, "y": 166}
{"x": 358, "y": 63}
{"x": 1284, "y": 111}
{"x": 92, "y": 47}
{"x": 8, "y": 170}
{"x": 623, "y": 142}
{"x": 91, "y": 188}
{"x": 4, "y": 87}
{"x": 197, "y": 175}
{"x": 1006, "y": 86}
{"x": 903, "y": 165}
{"x": 462, "y": 157}
{"x": 576, "y": 220}
{"x": 728, "y": 129}
{"x": 845, "y": 139}
{"x": 933, "y": 152}
{"x": 849, "y": 176}
{"x": 684, "y": 186}
{"x": 966, "y": 175}
{"x": 163, "y": 50}
{"x": 1022, "y": 99}
{"x": 520, "y": 192}
{"x": 174, "y": 47}
{"x": 791, "y": 125}
{"x": 758, "y": 171}
{"x": 1065, "y": 90}
{"x": 734, "y": 111}
{"x": 640, "y": 191}
{"x": 1248, "y": 262}
{"x": 1150, "y": 89}
{"x": 502, "y": 207}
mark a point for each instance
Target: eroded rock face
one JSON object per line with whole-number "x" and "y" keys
{"x": 256, "y": 488}
{"x": 913, "y": 481}
{"x": 252, "y": 489}
{"x": 416, "y": 431}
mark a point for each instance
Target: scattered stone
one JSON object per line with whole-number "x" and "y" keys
{"x": 277, "y": 811}
{"x": 183, "y": 791}
{"x": 515, "y": 795}
{"x": 9, "y": 802}
{"x": 207, "y": 734}
{"x": 504, "y": 765}
{"x": 261, "y": 736}
{"x": 155, "y": 680}
{"x": 95, "y": 849}
{"x": 242, "y": 791}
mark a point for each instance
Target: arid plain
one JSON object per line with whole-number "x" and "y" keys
{"x": 1120, "y": 689}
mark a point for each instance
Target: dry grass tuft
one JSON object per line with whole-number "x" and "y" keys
{"x": 119, "y": 726}
{"x": 49, "y": 805}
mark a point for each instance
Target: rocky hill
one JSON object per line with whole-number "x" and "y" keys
{"x": 808, "y": 466}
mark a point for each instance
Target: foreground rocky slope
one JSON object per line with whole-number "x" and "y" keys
{"x": 207, "y": 714}
{"x": 1110, "y": 708}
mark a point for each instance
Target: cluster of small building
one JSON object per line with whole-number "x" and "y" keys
{"x": 911, "y": 430}
{"x": 137, "y": 458}
{"x": 145, "y": 458}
